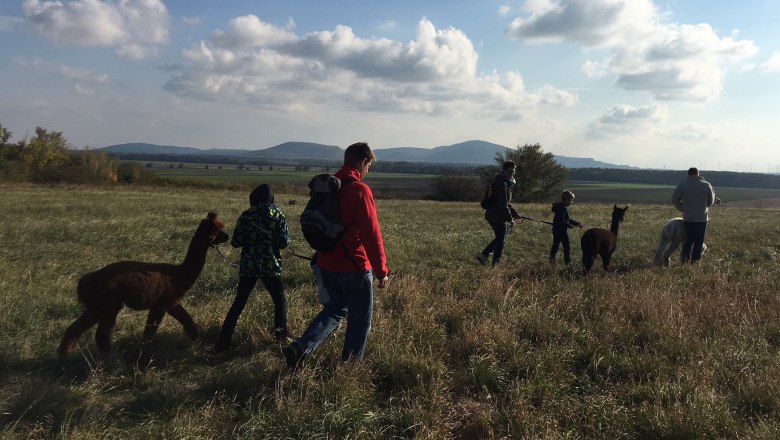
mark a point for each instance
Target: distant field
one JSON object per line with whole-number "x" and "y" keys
{"x": 612, "y": 192}
{"x": 412, "y": 184}
{"x": 419, "y": 185}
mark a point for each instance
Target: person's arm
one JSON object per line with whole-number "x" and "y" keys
{"x": 677, "y": 198}
{"x": 239, "y": 237}
{"x": 367, "y": 224}
{"x": 282, "y": 239}
{"x": 503, "y": 201}
{"x": 710, "y": 196}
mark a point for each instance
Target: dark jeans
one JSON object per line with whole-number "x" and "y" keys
{"x": 694, "y": 242}
{"x": 352, "y": 297}
{"x": 497, "y": 245}
{"x": 561, "y": 237}
{"x": 245, "y": 285}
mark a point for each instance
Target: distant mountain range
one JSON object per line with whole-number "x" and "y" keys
{"x": 470, "y": 152}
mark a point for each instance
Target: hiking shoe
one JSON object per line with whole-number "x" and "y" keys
{"x": 280, "y": 334}
{"x": 482, "y": 258}
{"x": 294, "y": 356}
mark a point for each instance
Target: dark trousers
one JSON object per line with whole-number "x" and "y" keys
{"x": 245, "y": 285}
{"x": 694, "y": 242}
{"x": 561, "y": 237}
{"x": 497, "y": 245}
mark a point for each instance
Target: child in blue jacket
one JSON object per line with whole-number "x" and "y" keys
{"x": 560, "y": 227}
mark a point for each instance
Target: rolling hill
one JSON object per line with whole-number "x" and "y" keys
{"x": 474, "y": 152}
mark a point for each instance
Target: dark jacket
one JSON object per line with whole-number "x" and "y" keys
{"x": 561, "y": 220}
{"x": 261, "y": 231}
{"x": 363, "y": 238}
{"x": 500, "y": 209}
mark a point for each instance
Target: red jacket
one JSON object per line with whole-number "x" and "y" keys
{"x": 362, "y": 239}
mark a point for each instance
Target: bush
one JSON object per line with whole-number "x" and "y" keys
{"x": 456, "y": 188}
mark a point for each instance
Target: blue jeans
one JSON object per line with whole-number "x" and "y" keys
{"x": 694, "y": 241}
{"x": 497, "y": 245}
{"x": 352, "y": 297}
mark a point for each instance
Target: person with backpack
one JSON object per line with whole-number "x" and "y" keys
{"x": 499, "y": 211}
{"x": 561, "y": 224}
{"x": 261, "y": 231}
{"x": 349, "y": 268}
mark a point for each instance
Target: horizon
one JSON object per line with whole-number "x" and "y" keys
{"x": 640, "y": 82}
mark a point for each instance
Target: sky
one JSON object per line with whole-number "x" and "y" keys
{"x": 652, "y": 84}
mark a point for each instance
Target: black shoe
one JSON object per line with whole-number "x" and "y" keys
{"x": 294, "y": 356}
{"x": 281, "y": 335}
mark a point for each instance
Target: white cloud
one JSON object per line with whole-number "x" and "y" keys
{"x": 388, "y": 25}
{"x": 504, "y": 9}
{"x": 263, "y": 65}
{"x": 83, "y": 75}
{"x": 10, "y": 24}
{"x": 669, "y": 61}
{"x": 772, "y": 65}
{"x": 628, "y": 119}
{"x": 191, "y": 21}
{"x": 134, "y": 27}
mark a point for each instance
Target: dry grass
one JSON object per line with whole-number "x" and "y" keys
{"x": 457, "y": 350}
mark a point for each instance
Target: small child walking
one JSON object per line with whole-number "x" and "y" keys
{"x": 261, "y": 231}
{"x": 560, "y": 227}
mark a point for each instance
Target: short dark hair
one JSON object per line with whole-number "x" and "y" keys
{"x": 508, "y": 164}
{"x": 693, "y": 171}
{"x": 355, "y": 153}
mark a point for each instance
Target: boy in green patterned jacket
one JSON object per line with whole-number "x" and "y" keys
{"x": 261, "y": 231}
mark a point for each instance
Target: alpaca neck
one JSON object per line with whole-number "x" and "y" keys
{"x": 193, "y": 263}
{"x": 615, "y": 226}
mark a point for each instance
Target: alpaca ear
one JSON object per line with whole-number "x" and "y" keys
{"x": 211, "y": 215}
{"x": 614, "y": 206}
{"x": 626, "y": 208}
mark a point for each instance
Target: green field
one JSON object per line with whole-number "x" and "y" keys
{"x": 389, "y": 183}
{"x": 457, "y": 350}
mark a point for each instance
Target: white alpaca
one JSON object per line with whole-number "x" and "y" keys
{"x": 673, "y": 234}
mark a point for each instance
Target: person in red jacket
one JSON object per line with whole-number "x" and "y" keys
{"x": 348, "y": 271}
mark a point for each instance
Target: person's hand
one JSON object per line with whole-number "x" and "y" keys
{"x": 383, "y": 282}
{"x": 512, "y": 222}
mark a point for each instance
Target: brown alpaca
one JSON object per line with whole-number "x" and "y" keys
{"x": 597, "y": 241}
{"x": 157, "y": 287}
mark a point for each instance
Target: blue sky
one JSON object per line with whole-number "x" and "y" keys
{"x": 639, "y": 82}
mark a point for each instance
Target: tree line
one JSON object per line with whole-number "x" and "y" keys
{"x": 45, "y": 157}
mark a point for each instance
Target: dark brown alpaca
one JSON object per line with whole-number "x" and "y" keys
{"x": 597, "y": 241}
{"x": 157, "y": 287}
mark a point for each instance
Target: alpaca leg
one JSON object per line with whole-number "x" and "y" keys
{"x": 181, "y": 315}
{"x": 605, "y": 259}
{"x": 661, "y": 252}
{"x": 153, "y": 321}
{"x": 105, "y": 328}
{"x": 588, "y": 260}
{"x": 87, "y": 319}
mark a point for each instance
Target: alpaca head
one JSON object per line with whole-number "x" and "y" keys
{"x": 618, "y": 214}
{"x": 211, "y": 228}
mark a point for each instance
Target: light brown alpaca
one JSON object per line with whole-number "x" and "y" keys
{"x": 597, "y": 241}
{"x": 157, "y": 287}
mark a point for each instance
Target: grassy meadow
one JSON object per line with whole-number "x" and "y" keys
{"x": 457, "y": 350}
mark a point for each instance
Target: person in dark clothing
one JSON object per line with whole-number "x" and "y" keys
{"x": 261, "y": 231}
{"x": 561, "y": 224}
{"x": 500, "y": 212}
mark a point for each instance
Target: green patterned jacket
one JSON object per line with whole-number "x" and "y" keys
{"x": 261, "y": 231}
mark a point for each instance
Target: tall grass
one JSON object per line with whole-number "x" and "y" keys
{"x": 457, "y": 350}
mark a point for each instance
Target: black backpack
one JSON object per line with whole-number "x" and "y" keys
{"x": 487, "y": 199}
{"x": 321, "y": 218}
